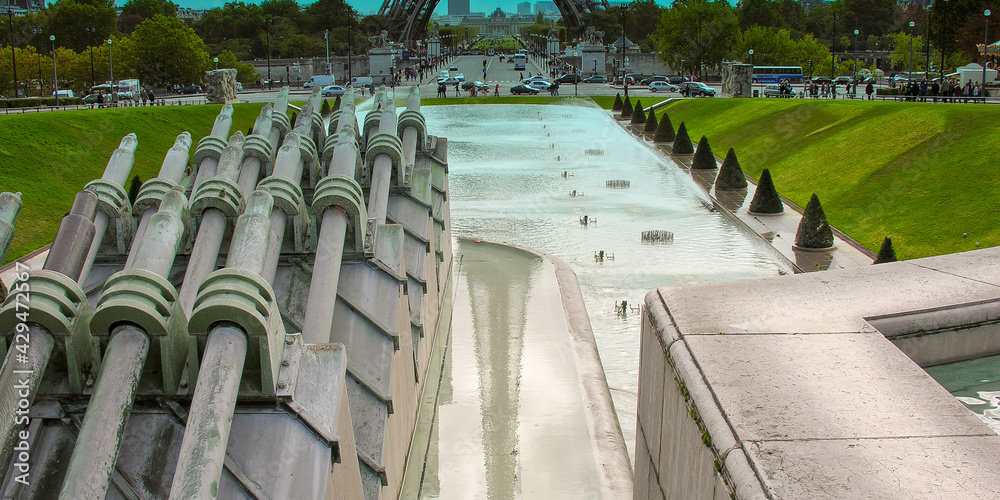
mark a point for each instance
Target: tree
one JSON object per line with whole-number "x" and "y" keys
{"x": 876, "y": 17}
{"x": 69, "y": 21}
{"x": 651, "y": 123}
{"x": 146, "y": 9}
{"x": 730, "y": 176}
{"x": 638, "y": 115}
{"x": 759, "y": 13}
{"x": 703, "y": 157}
{"x": 627, "y": 108}
{"x": 700, "y": 32}
{"x": 886, "y": 253}
{"x": 617, "y": 106}
{"x": 168, "y": 52}
{"x": 682, "y": 143}
{"x": 765, "y": 198}
{"x": 814, "y": 232}
{"x": 245, "y": 72}
{"x": 664, "y": 130}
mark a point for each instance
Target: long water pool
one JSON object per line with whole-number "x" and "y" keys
{"x": 507, "y": 184}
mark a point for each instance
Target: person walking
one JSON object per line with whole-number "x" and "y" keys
{"x": 935, "y": 89}
{"x": 457, "y": 94}
{"x": 496, "y": 91}
{"x": 870, "y": 89}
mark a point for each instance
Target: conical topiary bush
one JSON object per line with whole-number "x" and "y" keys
{"x": 703, "y": 158}
{"x": 3, "y": 292}
{"x": 325, "y": 111}
{"x": 765, "y": 199}
{"x": 617, "y": 106}
{"x": 134, "y": 188}
{"x": 336, "y": 104}
{"x": 886, "y": 253}
{"x": 650, "y": 123}
{"x": 626, "y": 108}
{"x": 730, "y": 176}
{"x": 814, "y": 232}
{"x": 665, "y": 130}
{"x": 638, "y": 115}
{"x": 682, "y": 143}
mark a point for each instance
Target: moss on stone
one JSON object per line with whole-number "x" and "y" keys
{"x": 814, "y": 231}
{"x": 682, "y": 143}
{"x": 730, "y": 176}
{"x": 765, "y": 198}
{"x": 703, "y": 157}
{"x": 665, "y": 130}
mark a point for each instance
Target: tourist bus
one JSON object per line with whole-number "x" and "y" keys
{"x": 519, "y": 61}
{"x": 777, "y": 74}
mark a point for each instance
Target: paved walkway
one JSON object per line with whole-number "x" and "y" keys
{"x": 776, "y": 230}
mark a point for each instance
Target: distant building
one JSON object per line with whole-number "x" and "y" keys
{"x": 185, "y": 13}
{"x": 458, "y": 7}
{"x": 546, "y": 8}
{"x": 524, "y": 8}
{"x": 22, "y": 7}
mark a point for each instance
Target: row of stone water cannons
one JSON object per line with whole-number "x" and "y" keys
{"x": 220, "y": 332}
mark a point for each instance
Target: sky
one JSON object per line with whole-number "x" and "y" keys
{"x": 367, "y": 7}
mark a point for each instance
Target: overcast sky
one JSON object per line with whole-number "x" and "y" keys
{"x": 372, "y": 6}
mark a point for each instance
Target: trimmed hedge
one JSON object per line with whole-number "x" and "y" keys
{"x": 682, "y": 143}
{"x": 886, "y": 253}
{"x": 651, "y": 123}
{"x": 638, "y": 115}
{"x": 31, "y": 102}
{"x": 766, "y": 199}
{"x": 336, "y": 104}
{"x": 665, "y": 130}
{"x": 703, "y": 157}
{"x": 325, "y": 110}
{"x": 617, "y": 106}
{"x": 626, "y": 108}
{"x": 814, "y": 231}
{"x": 730, "y": 176}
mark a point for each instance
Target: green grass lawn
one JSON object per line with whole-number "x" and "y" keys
{"x": 922, "y": 174}
{"x": 49, "y": 157}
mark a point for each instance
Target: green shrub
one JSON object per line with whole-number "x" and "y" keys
{"x": 814, "y": 231}
{"x": 730, "y": 176}
{"x": 325, "y": 111}
{"x": 886, "y": 253}
{"x": 682, "y": 143}
{"x": 665, "y": 130}
{"x": 134, "y": 188}
{"x": 3, "y": 292}
{"x": 703, "y": 157}
{"x": 617, "y": 106}
{"x": 31, "y": 102}
{"x": 627, "y": 108}
{"x": 336, "y": 104}
{"x": 650, "y": 123}
{"x": 638, "y": 115}
{"x": 887, "y": 91}
{"x": 765, "y": 198}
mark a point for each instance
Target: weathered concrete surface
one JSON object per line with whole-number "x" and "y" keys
{"x": 780, "y": 387}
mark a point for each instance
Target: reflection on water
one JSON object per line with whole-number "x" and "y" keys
{"x": 506, "y": 184}
{"x": 976, "y": 383}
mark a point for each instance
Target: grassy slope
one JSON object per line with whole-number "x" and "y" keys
{"x": 922, "y": 174}
{"x": 49, "y": 160}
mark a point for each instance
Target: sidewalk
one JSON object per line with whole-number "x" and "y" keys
{"x": 778, "y": 231}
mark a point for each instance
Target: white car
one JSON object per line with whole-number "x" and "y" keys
{"x": 535, "y": 78}
{"x": 662, "y": 87}
{"x": 460, "y": 77}
{"x": 443, "y": 74}
{"x": 774, "y": 90}
{"x": 332, "y": 91}
{"x": 539, "y": 85}
{"x": 448, "y": 81}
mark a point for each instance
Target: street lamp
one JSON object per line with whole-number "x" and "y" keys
{"x": 927, "y": 20}
{"x": 986, "y": 44}
{"x": 267, "y": 28}
{"x": 833, "y": 48}
{"x": 855, "y": 56}
{"x": 751, "y": 58}
{"x": 216, "y": 63}
{"x": 326, "y": 36}
{"x": 55, "y": 75}
{"x": 111, "y": 67}
{"x": 909, "y": 71}
{"x": 945, "y": 20}
{"x": 91, "y": 30}
{"x": 13, "y": 58}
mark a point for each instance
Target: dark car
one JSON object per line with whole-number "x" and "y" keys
{"x": 523, "y": 89}
{"x": 647, "y": 81}
{"x": 569, "y": 78}
{"x": 677, "y": 79}
{"x": 596, "y": 79}
{"x": 821, "y": 80}
{"x": 190, "y": 89}
{"x": 695, "y": 89}
{"x": 480, "y": 86}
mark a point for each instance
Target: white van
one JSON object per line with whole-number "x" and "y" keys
{"x": 319, "y": 81}
{"x": 361, "y": 81}
{"x": 64, "y": 93}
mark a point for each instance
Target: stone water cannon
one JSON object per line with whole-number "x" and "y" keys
{"x": 283, "y": 184}
{"x": 258, "y": 144}
{"x": 114, "y": 217}
{"x": 140, "y": 321}
{"x": 343, "y": 117}
{"x": 309, "y": 125}
{"x": 412, "y": 126}
{"x": 171, "y": 174}
{"x": 10, "y": 206}
{"x": 210, "y": 148}
{"x": 384, "y": 161}
{"x": 281, "y": 124}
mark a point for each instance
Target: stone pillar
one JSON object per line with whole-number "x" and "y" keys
{"x": 592, "y": 59}
{"x": 220, "y": 86}
{"x": 434, "y": 47}
{"x": 736, "y": 79}
{"x": 552, "y": 45}
{"x": 380, "y": 65}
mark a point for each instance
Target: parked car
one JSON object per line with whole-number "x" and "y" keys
{"x": 842, "y": 80}
{"x": 190, "y": 89}
{"x": 661, "y": 86}
{"x": 569, "y": 78}
{"x": 460, "y": 77}
{"x": 596, "y": 79}
{"x": 540, "y": 85}
{"x": 64, "y": 93}
{"x": 318, "y": 81}
{"x": 534, "y": 79}
{"x": 480, "y": 86}
{"x": 677, "y": 79}
{"x": 453, "y": 68}
{"x": 654, "y": 78}
{"x": 522, "y": 89}
{"x": 821, "y": 80}
{"x": 774, "y": 90}
{"x": 90, "y": 99}
{"x": 332, "y": 91}
{"x": 695, "y": 89}
{"x": 448, "y": 81}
